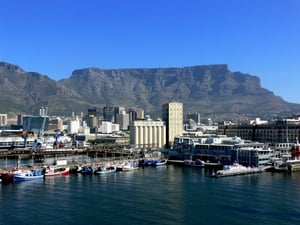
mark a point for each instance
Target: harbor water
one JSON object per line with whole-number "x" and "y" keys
{"x": 163, "y": 195}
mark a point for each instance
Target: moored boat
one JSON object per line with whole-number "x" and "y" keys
{"x": 8, "y": 176}
{"x": 28, "y": 176}
{"x": 235, "y": 169}
{"x": 87, "y": 170}
{"x": 106, "y": 168}
{"x": 159, "y": 162}
{"x": 198, "y": 163}
{"x": 128, "y": 166}
{"x": 56, "y": 171}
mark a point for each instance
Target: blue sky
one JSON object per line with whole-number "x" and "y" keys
{"x": 56, "y": 37}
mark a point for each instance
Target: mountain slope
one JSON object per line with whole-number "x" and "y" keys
{"x": 211, "y": 89}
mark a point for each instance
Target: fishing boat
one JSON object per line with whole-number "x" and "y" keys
{"x": 56, "y": 171}
{"x": 87, "y": 170}
{"x": 28, "y": 176}
{"x": 129, "y": 166}
{"x": 198, "y": 163}
{"x": 8, "y": 176}
{"x": 106, "y": 168}
{"x": 159, "y": 162}
{"x": 145, "y": 162}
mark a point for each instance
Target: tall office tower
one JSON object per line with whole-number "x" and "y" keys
{"x": 135, "y": 114}
{"x": 92, "y": 118}
{"x": 117, "y": 111}
{"x": 108, "y": 112}
{"x": 123, "y": 120}
{"x": 172, "y": 114}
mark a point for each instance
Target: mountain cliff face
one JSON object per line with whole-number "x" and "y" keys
{"x": 211, "y": 89}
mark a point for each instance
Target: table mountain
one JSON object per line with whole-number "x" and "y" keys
{"x": 208, "y": 89}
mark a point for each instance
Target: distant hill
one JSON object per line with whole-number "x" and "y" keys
{"x": 209, "y": 89}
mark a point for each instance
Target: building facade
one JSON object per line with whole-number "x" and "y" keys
{"x": 172, "y": 114}
{"x": 147, "y": 134}
{"x": 3, "y": 119}
{"x": 275, "y": 132}
{"x": 123, "y": 120}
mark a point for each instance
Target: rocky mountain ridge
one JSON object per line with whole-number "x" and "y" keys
{"x": 207, "y": 89}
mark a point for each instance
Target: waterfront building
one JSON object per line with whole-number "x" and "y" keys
{"x": 222, "y": 149}
{"x": 172, "y": 114}
{"x": 280, "y": 131}
{"x": 37, "y": 124}
{"x": 147, "y": 134}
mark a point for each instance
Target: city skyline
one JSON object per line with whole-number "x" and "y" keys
{"x": 55, "y": 38}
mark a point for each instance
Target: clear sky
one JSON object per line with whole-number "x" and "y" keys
{"x": 56, "y": 37}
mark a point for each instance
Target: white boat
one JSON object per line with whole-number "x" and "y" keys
{"x": 106, "y": 168}
{"x": 28, "y": 176}
{"x": 128, "y": 166}
{"x": 235, "y": 169}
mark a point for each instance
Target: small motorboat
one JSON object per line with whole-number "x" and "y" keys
{"x": 128, "y": 166}
{"x": 106, "y": 168}
{"x": 159, "y": 162}
{"x": 198, "y": 163}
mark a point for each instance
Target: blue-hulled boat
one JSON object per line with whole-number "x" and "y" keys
{"x": 159, "y": 162}
{"x": 87, "y": 170}
{"x": 29, "y": 175}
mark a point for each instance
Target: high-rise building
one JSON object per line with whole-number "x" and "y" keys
{"x": 118, "y": 110}
{"x": 123, "y": 120}
{"x": 136, "y": 114}
{"x": 108, "y": 112}
{"x": 172, "y": 114}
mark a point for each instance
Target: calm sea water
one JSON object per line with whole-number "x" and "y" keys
{"x": 167, "y": 195}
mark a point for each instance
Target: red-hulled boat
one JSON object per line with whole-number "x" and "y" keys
{"x": 56, "y": 171}
{"x": 8, "y": 176}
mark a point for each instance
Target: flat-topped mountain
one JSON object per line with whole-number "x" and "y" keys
{"x": 208, "y": 89}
